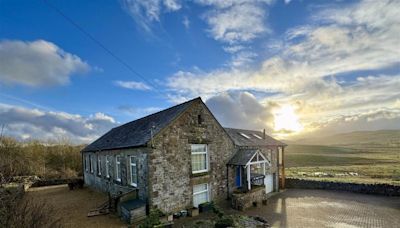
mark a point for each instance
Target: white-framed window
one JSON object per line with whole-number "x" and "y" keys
{"x": 133, "y": 170}
{"x": 118, "y": 168}
{"x": 87, "y": 163}
{"x": 91, "y": 163}
{"x": 108, "y": 166}
{"x": 98, "y": 165}
{"x": 199, "y": 158}
{"x": 201, "y": 194}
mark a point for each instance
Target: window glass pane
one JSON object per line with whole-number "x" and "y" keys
{"x": 118, "y": 167}
{"x": 133, "y": 170}
{"x": 199, "y": 188}
{"x": 199, "y": 148}
{"x": 199, "y": 162}
{"x": 107, "y": 166}
{"x": 200, "y": 198}
{"x": 200, "y": 194}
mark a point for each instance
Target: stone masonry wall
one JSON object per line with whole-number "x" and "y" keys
{"x": 377, "y": 189}
{"x": 104, "y": 184}
{"x": 170, "y": 173}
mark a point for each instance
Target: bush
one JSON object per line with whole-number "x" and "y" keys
{"x": 217, "y": 210}
{"x": 58, "y": 160}
{"x": 225, "y": 221}
{"x": 152, "y": 219}
{"x": 23, "y": 213}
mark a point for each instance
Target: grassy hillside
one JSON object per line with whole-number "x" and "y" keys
{"x": 388, "y": 138}
{"x": 350, "y": 163}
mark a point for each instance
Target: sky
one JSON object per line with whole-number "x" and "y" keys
{"x": 72, "y": 70}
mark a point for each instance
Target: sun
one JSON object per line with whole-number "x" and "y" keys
{"x": 286, "y": 120}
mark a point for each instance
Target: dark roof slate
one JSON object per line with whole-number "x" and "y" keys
{"x": 138, "y": 132}
{"x": 239, "y": 140}
{"x": 242, "y": 156}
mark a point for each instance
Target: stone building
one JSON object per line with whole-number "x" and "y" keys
{"x": 181, "y": 157}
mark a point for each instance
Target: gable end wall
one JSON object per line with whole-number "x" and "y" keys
{"x": 170, "y": 173}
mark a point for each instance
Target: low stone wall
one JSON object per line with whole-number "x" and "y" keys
{"x": 377, "y": 189}
{"x": 41, "y": 183}
{"x": 242, "y": 201}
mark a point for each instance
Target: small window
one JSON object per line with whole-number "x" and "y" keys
{"x": 200, "y": 194}
{"x": 91, "y": 163}
{"x": 108, "y": 166}
{"x": 133, "y": 169}
{"x": 244, "y": 135}
{"x": 118, "y": 168}
{"x": 199, "y": 119}
{"x": 98, "y": 165}
{"x": 87, "y": 163}
{"x": 199, "y": 158}
{"x": 257, "y": 136}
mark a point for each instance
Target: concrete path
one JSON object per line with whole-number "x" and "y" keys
{"x": 319, "y": 208}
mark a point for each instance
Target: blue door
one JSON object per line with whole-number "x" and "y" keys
{"x": 238, "y": 176}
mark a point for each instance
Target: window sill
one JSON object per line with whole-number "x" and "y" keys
{"x": 205, "y": 173}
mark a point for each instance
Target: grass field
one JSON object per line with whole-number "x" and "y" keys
{"x": 361, "y": 163}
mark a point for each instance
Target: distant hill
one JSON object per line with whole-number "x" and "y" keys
{"x": 381, "y": 137}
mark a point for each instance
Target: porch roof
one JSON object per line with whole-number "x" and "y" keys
{"x": 242, "y": 157}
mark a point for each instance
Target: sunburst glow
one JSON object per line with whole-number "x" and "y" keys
{"x": 287, "y": 120}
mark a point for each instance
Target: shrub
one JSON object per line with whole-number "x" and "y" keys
{"x": 224, "y": 221}
{"x": 217, "y": 210}
{"x": 152, "y": 219}
{"x": 23, "y": 213}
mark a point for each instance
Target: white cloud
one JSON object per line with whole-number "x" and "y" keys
{"x": 186, "y": 22}
{"x": 372, "y": 120}
{"x": 145, "y": 12}
{"x": 241, "y": 110}
{"x": 132, "y": 85}
{"x": 303, "y": 72}
{"x": 233, "y": 49}
{"x": 37, "y": 63}
{"x": 242, "y": 59}
{"x": 240, "y": 21}
{"x": 326, "y": 49}
{"x": 138, "y": 112}
{"x": 24, "y": 123}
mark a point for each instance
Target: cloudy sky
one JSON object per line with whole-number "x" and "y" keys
{"x": 75, "y": 69}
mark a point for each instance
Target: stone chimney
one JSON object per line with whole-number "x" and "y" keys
{"x": 264, "y": 133}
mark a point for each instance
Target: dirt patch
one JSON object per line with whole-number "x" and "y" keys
{"x": 72, "y": 206}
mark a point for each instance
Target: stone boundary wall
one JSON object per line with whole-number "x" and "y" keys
{"x": 41, "y": 183}
{"x": 376, "y": 189}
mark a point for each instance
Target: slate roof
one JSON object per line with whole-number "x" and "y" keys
{"x": 240, "y": 140}
{"x": 137, "y": 133}
{"x": 242, "y": 156}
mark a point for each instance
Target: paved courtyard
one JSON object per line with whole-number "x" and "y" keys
{"x": 319, "y": 208}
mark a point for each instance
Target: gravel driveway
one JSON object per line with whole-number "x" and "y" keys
{"x": 319, "y": 208}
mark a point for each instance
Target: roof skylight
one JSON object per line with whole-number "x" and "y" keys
{"x": 257, "y": 136}
{"x": 244, "y": 135}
